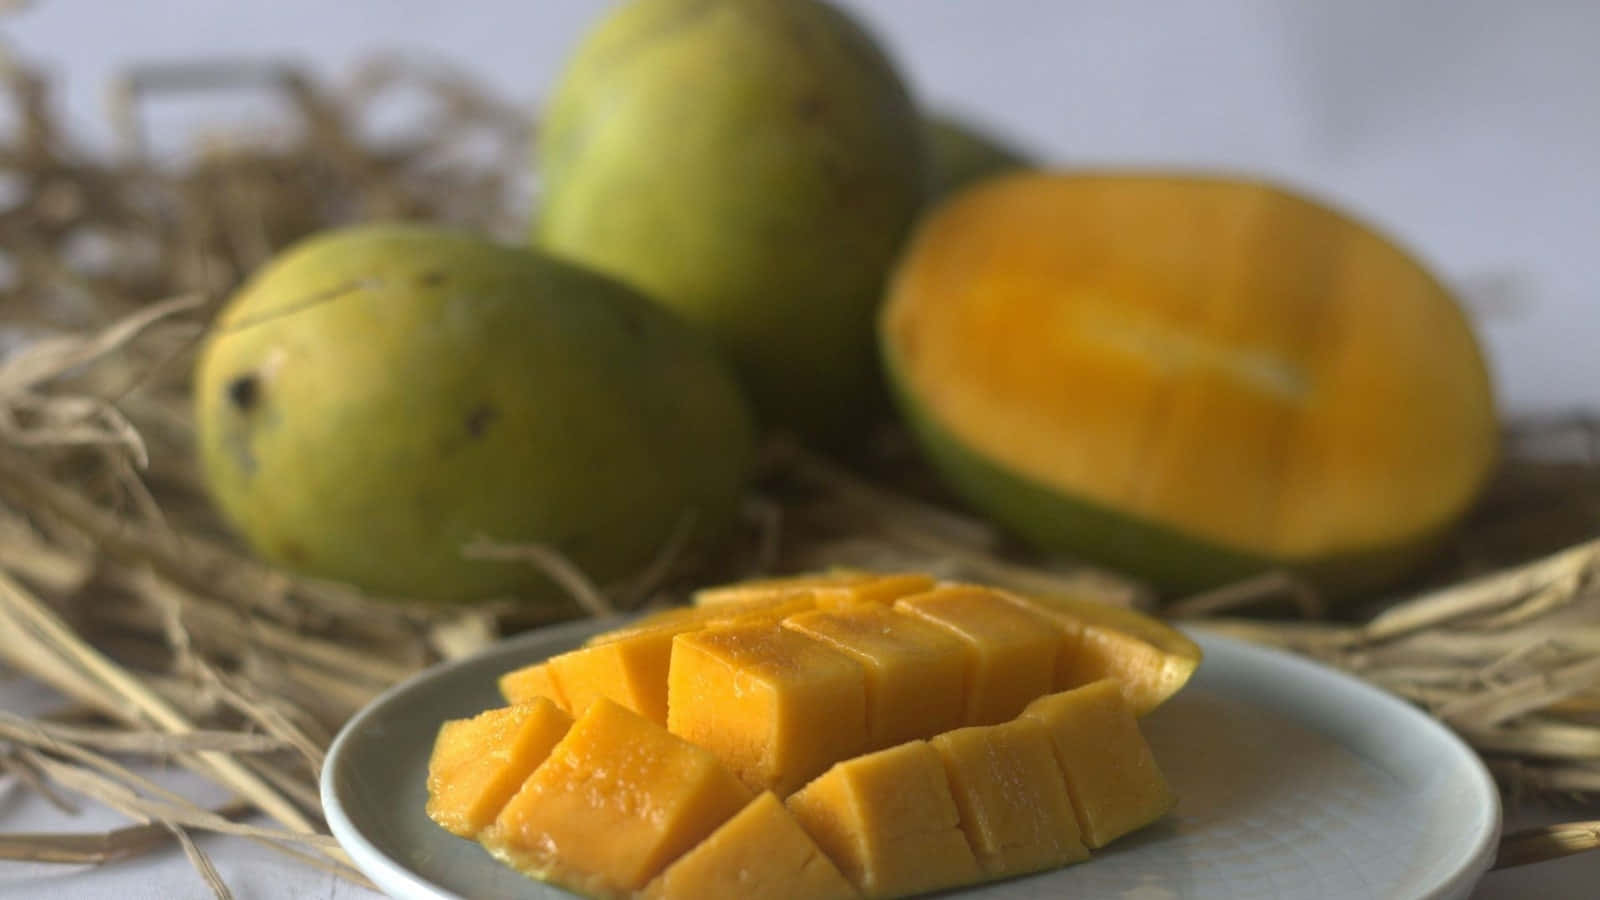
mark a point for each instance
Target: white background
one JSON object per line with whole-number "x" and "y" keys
{"x": 1468, "y": 129}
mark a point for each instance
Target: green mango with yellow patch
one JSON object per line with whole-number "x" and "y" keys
{"x": 378, "y": 397}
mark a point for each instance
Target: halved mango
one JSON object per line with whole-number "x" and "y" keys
{"x": 1189, "y": 378}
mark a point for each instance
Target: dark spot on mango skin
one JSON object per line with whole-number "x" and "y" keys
{"x": 292, "y": 552}
{"x": 244, "y": 391}
{"x": 431, "y": 279}
{"x": 479, "y": 420}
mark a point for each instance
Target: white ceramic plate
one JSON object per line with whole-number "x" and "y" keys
{"x": 1294, "y": 782}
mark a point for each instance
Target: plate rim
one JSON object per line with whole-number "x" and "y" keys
{"x": 388, "y": 872}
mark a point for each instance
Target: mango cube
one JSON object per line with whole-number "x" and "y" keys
{"x": 478, "y": 763}
{"x": 829, "y": 588}
{"x": 524, "y": 684}
{"x": 775, "y": 706}
{"x": 618, "y": 799}
{"x": 889, "y": 822}
{"x": 631, "y": 671}
{"x": 1010, "y": 652}
{"x": 761, "y": 852}
{"x": 1150, "y": 659}
{"x": 915, "y": 671}
{"x": 1013, "y": 801}
{"x": 1109, "y": 769}
{"x": 678, "y": 619}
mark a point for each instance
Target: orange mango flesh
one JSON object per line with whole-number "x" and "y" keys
{"x": 890, "y": 822}
{"x": 776, "y": 706}
{"x": 1151, "y": 660}
{"x": 1111, "y": 774}
{"x": 629, "y": 664}
{"x": 1014, "y": 805}
{"x": 830, "y": 589}
{"x": 915, "y": 671}
{"x": 618, "y": 799}
{"x": 478, "y": 763}
{"x": 1011, "y": 652}
{"x": 761, "y": 852}
{"x": 1220, "y": 359}
{"x": 529, "y": 682}
{"x": 777, "y": 688}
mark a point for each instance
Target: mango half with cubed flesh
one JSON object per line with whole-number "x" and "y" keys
{"x": 378, "y": 397}
{"x": 795, "y": 757}
{"x": 780, "y": 683}
{"x": 1192, "y": 379}
{"x": 753, "y": 164}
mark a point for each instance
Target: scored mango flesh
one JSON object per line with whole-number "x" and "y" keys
{"x": 819, "y": 737}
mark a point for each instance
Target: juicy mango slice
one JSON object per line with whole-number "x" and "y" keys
{"x": 915, "y": 671}
{"x": 1111, "y": 773}
{"x": 890, "y": 822}
{"x": 1149, "y": 659}
{"x": 776, "y": 706}
{"x": 616, "y": 801}
{"x": 1013, "y": 799}
{"x": 530, "y": 682}
{"x": 761, "y": 852}
{"x": 478, "y": 763}
{"x": 1010, "y": 652}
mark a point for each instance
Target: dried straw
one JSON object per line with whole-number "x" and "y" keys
{"x": 119, "y": 588}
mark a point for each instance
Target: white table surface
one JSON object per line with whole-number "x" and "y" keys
{"x": 1470, "y": 130}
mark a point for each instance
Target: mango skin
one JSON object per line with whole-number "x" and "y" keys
{"x": 961, "y": 154}
{"x": 755, "y": 165}
{"x": 377, "y": 397}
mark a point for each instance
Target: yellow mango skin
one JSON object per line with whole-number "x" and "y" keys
{"x": 755, "y": 165}
{"x": 1111, "y": 774}
{"x": 761, "y": 852}
{"x": 1149, "y": 659}
{"x": 1010, "y": 652}
{"x": 377, "y": 397}
{"x": 616, "y": 801}
{"x": 889, "y": 822}
{"x": 1192, "y": 379}
{"x": 1014, "y": 805}
{"x": 915, "y": 671}
{"x": 775, "y": 706}
{"x": 479, "y": 763}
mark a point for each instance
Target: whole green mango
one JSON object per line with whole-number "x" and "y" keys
{"x": 378, "y": 397}
{"x": 755, "y": 165}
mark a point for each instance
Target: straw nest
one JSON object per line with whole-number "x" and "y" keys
{"x": 120, "y": 589}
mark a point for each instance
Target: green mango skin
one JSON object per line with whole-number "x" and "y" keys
{"x": 961, "y": 154}
{"x": 377, "y": 397}
{"x": 755, "y": 165}
{"x": 1174, "y": 562}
